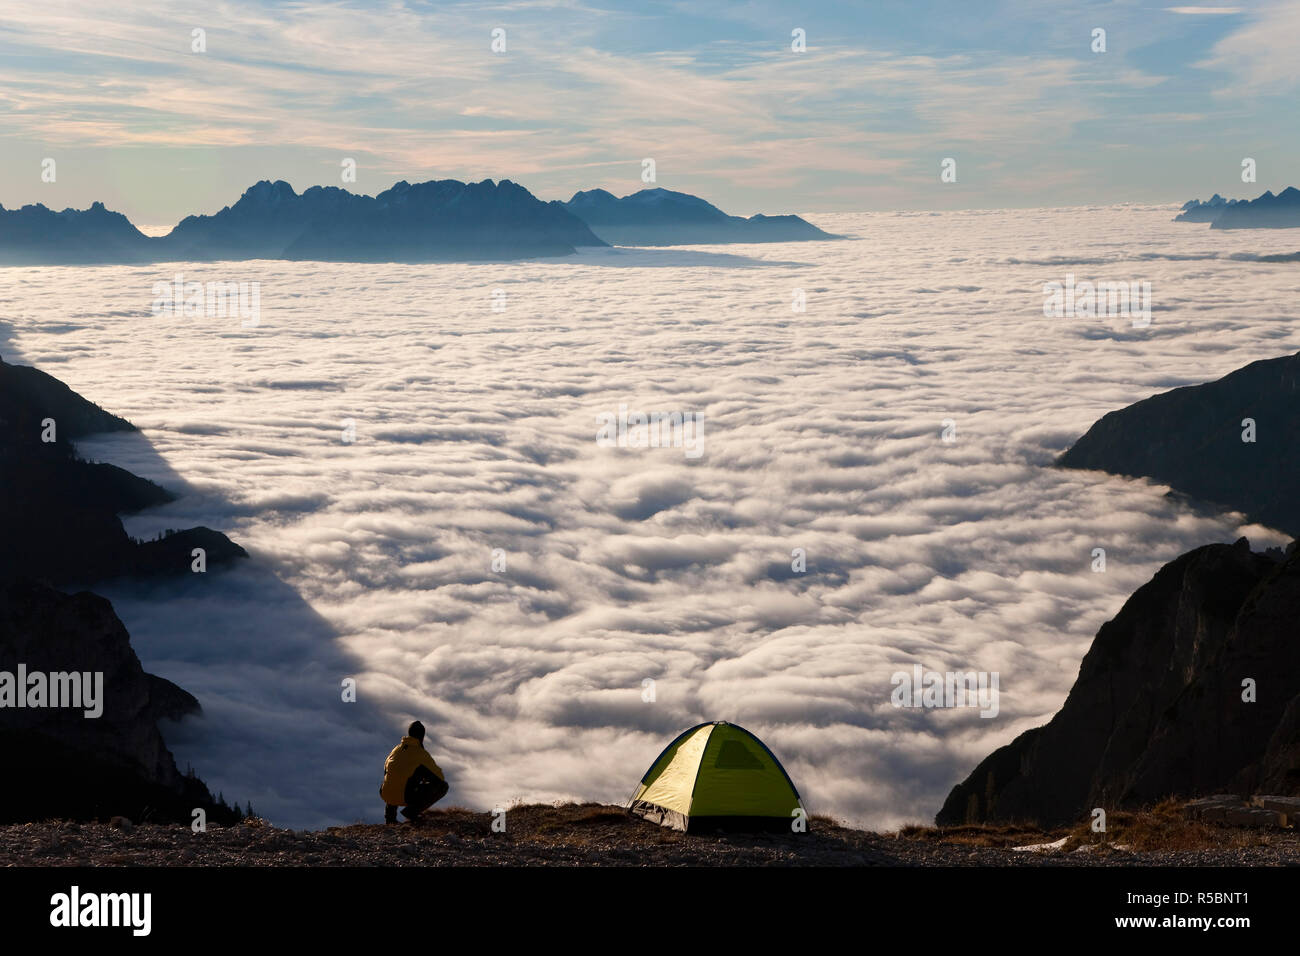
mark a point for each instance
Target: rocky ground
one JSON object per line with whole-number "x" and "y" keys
{"x": 597, "y": 835}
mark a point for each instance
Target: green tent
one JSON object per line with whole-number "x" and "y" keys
{"x": 717, "y": 776}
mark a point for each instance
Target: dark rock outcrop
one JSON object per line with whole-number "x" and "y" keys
{"x": 1158, "y": 708}
{"x": 1191, "y": 439}
{"x": 58, "y": 761}
{"x": 661, "y": 217}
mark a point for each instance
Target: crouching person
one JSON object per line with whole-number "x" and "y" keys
{"x": 411, "y": 778}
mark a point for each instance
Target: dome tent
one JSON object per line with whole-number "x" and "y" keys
{"x": 717, "y": 776}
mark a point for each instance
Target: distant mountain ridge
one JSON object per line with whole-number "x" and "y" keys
{"x": 661, "y": 217}
{"x": 437, "y": 221}
{"x": 1196, "y": 211}
{"x": 1266, "y": 211}
{"x": 444, "y": 220}
{"x": 35, "y": 235}
{"x": 426, "y": 222}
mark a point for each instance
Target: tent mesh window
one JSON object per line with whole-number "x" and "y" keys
{"x": 733, "y": 755}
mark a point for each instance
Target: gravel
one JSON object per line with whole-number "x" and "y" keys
{"x": 567, "y": 835}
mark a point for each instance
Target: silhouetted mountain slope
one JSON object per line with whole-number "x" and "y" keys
{"x": 1196, "y": 211}
{"x": 60, "y": 763}
{"x": 59, "y": 523}
{"x": 1157, "y": 709}
{"x": 35, "y": 235}
{"x": 1266, "y": 212}
{"x": 28, "y": 392}
{"x": 661, "y": 217}
{"x": 59, "y": 514}
{"x": 1191, "y": 439}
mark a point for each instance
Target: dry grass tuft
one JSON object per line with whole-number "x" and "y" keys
{"x": 1163, "y": 827}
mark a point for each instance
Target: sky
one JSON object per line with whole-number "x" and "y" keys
{"x": 861, "y": 120}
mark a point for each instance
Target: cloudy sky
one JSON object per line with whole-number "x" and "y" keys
{"x": 861, "y": 120}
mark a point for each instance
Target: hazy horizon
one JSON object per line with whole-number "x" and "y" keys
{"x": 157, "y": 229}
{"x": 1249, "y": 191}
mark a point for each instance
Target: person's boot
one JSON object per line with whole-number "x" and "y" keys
{"x": 390, "y": 814}
{"x": 410, "y": 814}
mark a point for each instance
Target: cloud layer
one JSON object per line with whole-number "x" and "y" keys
{"x": 476, "y": 431}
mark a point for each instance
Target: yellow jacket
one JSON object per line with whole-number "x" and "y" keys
{"x": 401, "y": 763}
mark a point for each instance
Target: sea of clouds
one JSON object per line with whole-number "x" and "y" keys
{"x": 475, "y": 429}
